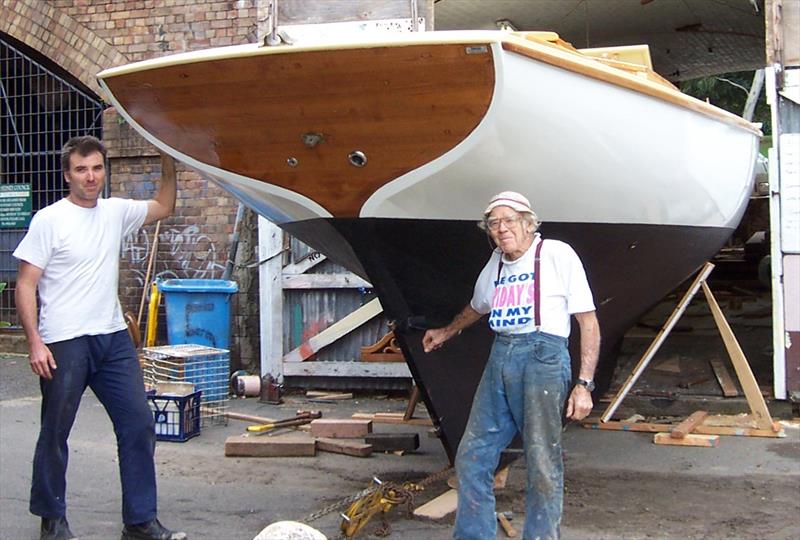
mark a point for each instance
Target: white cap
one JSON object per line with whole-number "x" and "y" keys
{"x": 512, "y": 199}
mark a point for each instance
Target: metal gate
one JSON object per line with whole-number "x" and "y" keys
{"x": 39, "y": 111}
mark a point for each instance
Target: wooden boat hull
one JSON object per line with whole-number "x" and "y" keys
{"x": 645, "y": 183}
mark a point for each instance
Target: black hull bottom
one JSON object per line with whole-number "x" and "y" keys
{"x": 423, "y": 272}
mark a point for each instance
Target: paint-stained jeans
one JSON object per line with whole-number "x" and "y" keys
{"x": 109, "y": 365}
{"x": 523, "y": 389}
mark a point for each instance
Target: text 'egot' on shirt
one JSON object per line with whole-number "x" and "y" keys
{"x": 509, "y": 298}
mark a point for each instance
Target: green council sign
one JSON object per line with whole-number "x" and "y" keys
{"x": 15, "y": 206}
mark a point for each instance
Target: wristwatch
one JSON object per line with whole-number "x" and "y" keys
{"x": 589, "y": 384}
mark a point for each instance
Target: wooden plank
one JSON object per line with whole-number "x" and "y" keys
{"x": 391, "y": 442}
{"x": 270, "y": 248}
{"x": 348, "y": 369}
{"x": 335, "y": 331}
{"x": 776, "y": 432}
{"x": 505, "y": 524}
{"x": 701, "y": 429}
{"x": 348, "y": 448}
{"x": 735, "y": 420}
{"x": 691, "y": 439}
{"x": 723, "y": 378}
{"x": 439, "y": 507}
{"x": 341, "y": 428}
{"x": 758, "y": 407}
{"x": 393, "y": 418}
{"x": 324, "y": 281}
{"x": 688, "y": 425}
{"x": 329, "y": 395}
{"x": 501, "y": 478}
{"x": 281, "y": 446}
{"x": 658, "y": 341}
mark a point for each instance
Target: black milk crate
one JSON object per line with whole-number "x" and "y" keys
{"x": 177, "y": 416}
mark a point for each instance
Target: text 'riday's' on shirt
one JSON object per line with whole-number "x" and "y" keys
{"x": 509, "y": 299}
{"x": 78, "y": 250}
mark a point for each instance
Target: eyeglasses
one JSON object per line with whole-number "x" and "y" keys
{"x": 494, "y": 223}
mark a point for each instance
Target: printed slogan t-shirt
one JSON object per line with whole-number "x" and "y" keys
{"x": 509, "y": 300}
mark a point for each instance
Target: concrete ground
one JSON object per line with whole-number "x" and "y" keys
{"x": 618, "y": 485}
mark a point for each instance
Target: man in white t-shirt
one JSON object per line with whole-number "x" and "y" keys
{"x": 78, "y": 337}
{"x": 529, "y": 288}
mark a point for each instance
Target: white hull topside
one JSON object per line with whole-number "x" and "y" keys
{"x": 582, "y": 149}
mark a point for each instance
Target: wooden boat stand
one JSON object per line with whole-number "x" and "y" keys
{"x": 758, "y": 423}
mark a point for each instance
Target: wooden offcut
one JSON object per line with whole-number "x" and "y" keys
{"x": 441, "y": 506}
{"x": 343, "y": 446}
{"x": 341, "y": 428}
{"x": 392, "y": 442}
{"x": 688, "y": 425}
{"x": 723, "y": 378}
{"x": 692, "y": 439}
{"x": 282, "y": 446}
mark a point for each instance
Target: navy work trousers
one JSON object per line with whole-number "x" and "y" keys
{"x": 523, "y": 389}
{"x": 109, "y": 365}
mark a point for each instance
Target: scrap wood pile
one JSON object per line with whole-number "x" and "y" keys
{"x": 308, "y": 432}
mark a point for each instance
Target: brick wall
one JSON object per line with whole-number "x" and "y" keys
{"x": 86, "y": 36}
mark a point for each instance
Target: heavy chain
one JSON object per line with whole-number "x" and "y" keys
{"x": 369, "y": 491}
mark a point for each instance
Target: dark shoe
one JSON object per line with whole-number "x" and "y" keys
{"x": 56, "y": 529}
{"x": 152, "y": 530}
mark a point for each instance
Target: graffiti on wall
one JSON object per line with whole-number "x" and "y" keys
{"x": 191, "y": 254}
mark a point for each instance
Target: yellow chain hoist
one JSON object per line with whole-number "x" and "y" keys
{"x": 381, "y": 499}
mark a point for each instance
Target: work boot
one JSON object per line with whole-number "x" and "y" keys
{"x": 56, "y": 529}
{"x": 151, "y": 530}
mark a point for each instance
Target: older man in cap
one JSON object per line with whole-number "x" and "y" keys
{"x": 530, "y": 287}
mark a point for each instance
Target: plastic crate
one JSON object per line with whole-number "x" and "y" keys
{"x": 177, "y": 417}
{"x": 207, "y": 368}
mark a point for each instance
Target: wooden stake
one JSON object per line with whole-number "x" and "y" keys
{"x": 657, "y": 342}
{"x": 756, "y": 401}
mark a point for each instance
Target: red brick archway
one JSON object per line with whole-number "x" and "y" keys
{"x": 60, "y": 37}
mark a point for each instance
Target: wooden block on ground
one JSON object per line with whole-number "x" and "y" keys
{"x": 390, "y": 442}
{"x": 439, "y": 507}
{"x": 691, "y": 439}
{"x": 344, "y": 428}
{"x": 688, "y": 425}
{"x": 260, "y": 446}
{"x": 339, "y": 446}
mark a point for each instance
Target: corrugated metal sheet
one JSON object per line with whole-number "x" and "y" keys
{"x": 308, "y": 312}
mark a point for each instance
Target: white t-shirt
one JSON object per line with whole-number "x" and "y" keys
{"x": 78, "y": 250}
{"x": 509, "y": 300}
